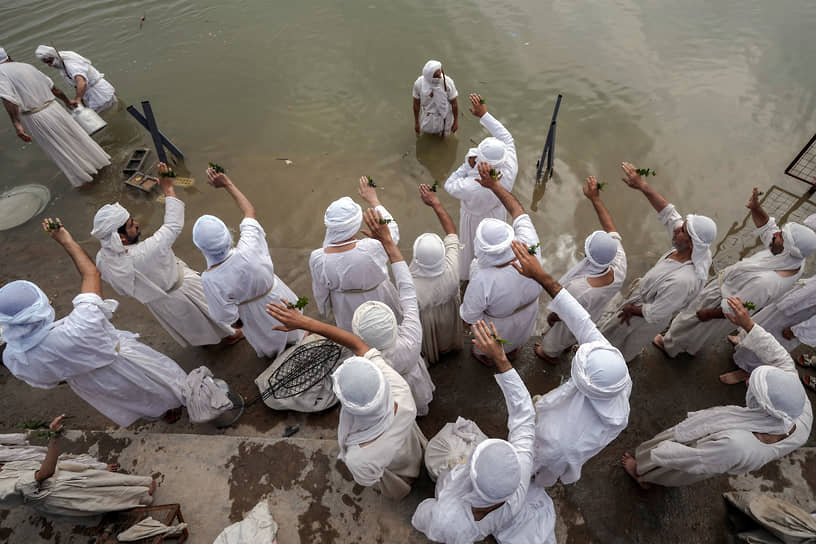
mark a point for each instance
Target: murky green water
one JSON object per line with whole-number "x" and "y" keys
{"x": 716, "y": 96}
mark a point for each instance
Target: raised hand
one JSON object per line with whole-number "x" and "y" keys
{"x": 218, "y": 180}
{"x": 428, "y": 196}
{"x": 56, "y": 424}
{"x": 477, "y": 106}
{"x": 56, "y": 230}
{"x": 739, "y": 314}
{"x": 527, "y": 264}
{"x": 632, "y": 178}
{"x": 485, "y": 340}
{"x": 291, "y": 318}
{"x": 485, "y": 179}
{"x": 368, "y": 193}
{"x": 753, "y": 201}
{"x": 377, "y": 226}
{"x": 592, "y": 189}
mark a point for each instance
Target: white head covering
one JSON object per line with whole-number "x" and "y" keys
{"x": 44, "y": 52}
{"x": 376, "y": 324}
{"x": 428, "y": 73}
{"x": 26, "y": 316}
{"x": 599, "y": 249}
{"x": 367, "y": 405}
{"x": 810, "y": 221}
{"x": 3, "y": 55}
{"x": 799, "y": 240}
{"x": 429, "y": 256}
{"x": 702, "y": 231}
{"x": 492, "y": 243}
{"x": 342, "y": 219}
{"x": 775, "y": 399}
{"x": 213, "y": 238}
{"x": 495, "y": 473}
{"x": 492, "y": 151}
{"x": 106, "y": 224}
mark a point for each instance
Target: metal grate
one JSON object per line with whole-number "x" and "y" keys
{"x": 803, "y": 167}
{"x": 305, "y": 367}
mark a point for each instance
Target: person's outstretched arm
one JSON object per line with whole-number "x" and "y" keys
{"x": 635, "y": 181}
{"x": 49, "y": 464}
{"x": 221, "y": 181}
{"x": 292, "y": 320}
{"x": 91, "y": 278}
{"x": 593, "y": 193}
{"x": 369, "y": 194}
{"x": 430, "y": 199}
{"x": 759, "y": 215}
{"x": 14, "y": 114}
{"x": 510, "y": 203}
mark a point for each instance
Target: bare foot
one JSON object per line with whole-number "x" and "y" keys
{"x": 540, "y": 352}
{"x": 113, "y": 467}
{"x": 171, "y": 416}
{"x": 658, "y": 342}
{"x": 630, "y": 466}
{"x": 481, "y": 358}
{"x": 235, "y": 338}
{"x": 152, "y": 488}
{"x": 733, "y": 377}
{"x": 733, "y": 339}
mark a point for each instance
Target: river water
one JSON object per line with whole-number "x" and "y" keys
{"x": 715, "y": 96}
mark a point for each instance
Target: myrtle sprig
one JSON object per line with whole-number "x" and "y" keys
{"x": 646, "y": 172}
{"x": 299, "y": 305}
{"x": 482, "y": 101}
{"x": 168, "y": 174}
{"x": 748, "y": 305}
{"x": 217, "y": 167}
{"x": 501, "y": 341}
{"x": 494, "y": 173}
{"x": 435, "y": 185}
{"x": 385, "y": 221}
{"x": 371, "y": 182}
{"x": 602, "y": 184}
{"x": 532, "y": 249}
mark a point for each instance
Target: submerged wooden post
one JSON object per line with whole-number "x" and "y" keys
{"x": 547, "y": 154}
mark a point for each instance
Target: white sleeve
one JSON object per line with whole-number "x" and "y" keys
{"x": 576, "y": 318}
{"x": 767, "y": 349}
{"x": 319, "y": 288}
{"x": 473, "y": 303}
{"x": 713, "y": 456}
{"x": 520, "y": 415}
{"x": 805, "y": 331}
{"x": 458, "y": 185}
{"x": 670, "y": 218}
{"x": 524, "y": 230}
{"x": 409, "y": 337}
{"x": 165, "y": 237}
{"x": 452, "y": 92}
{"x": 416, "y": 91}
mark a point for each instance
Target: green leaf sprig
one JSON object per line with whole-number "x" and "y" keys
{"x": 435, "y": 185}
{"x": 32, "y": 424}
{"x": 371, "y": 182}
{"x": 299, "y": 305}
{"x": 646, "y": 172}
{"x": 54, "y": 225}
{"x": 760, "y": 193}
{"x": 385, "y": 221}
{"x": 602, "y": 184}
{"x": 501, "y": 341}
{"x": 482, "y": 100}
{"x": 532, "y": 249}
{"x": 168, "y": 174}
{"x": 748, "y": 305}
{"x": 218, "y": 168}
{"x": 494, "y": 173}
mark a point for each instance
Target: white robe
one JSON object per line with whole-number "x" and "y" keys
{"x": 99, "y": 94}
{"x": 182, "y": 311}
{"x": 479, "y": 202}
{"x": 795, "y": 310}
{"x": 435, "y": 102}
{"x": 242, "y": 286}
{"x": 664, "y": 461}
{"x": 503, "y": 296}
{"x": 406, "y": 354}
{"x": 108, "y": 368}
{"x": 15, "y": 447}
{"x": 392, "y": 461}
{"x": 343, "y": 281}
{"x": 564, "y": 444}
{"x": 439, "y": 302}
{"x": 77, "y": 490}
{"x": 68, "y": 145}
{"x": 527, "y": 517}
{"x": 557, "y": 338}
{"x": 689, "y": 334}
{"x": 668, "y": 287}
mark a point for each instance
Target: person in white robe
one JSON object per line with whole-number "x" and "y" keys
{"x": 375, "y": 323}
{"x": 436, "y": 107}
{"x": 791, "y": 320}
{"x": 435, "y": 270}
{"x": 149, "y": 271}
{"x": 759, "y": 279}
{"x": 28, "y": 96}
{"x": 630, "y": 323}
{"x": 348, "y": 271}
{"x": 55, "y": 486}
{"x": 495, "y": 292}
{"x": 477, "y": 202}
{"x": 240, "y": 281}
{"x": 109, "y": 369}
{"x": 92, "y": 89}
{"x": 380, "y": 442}
{"x": 775, "y": 421}
{"x": 593, "y": 281}
{"x": 490, "y": 494}
{"x": 15, "y": 447}
{"x": 580, "y": 417}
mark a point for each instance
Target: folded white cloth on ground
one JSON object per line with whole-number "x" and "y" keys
{"x": 452, "y": 446}
{"x": 147, "y": 528}
{"x": 205, "y": 401}
{"x": 258, "y": 527}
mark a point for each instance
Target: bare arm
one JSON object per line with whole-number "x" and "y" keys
{"x": 635, "y": 181}
{"x": 49, "y": 465}
{"x": 81, "y": 87}
{"x": 430, "y": 199}
{"x": 61, "y": 95}
{"x": 529, "y": 266}
{"x": 220, "y": 180}
{"x": 757, "y": 213}
{"x": 593, "y": 193}
{"x": 416, "y": 114}
{"x": 455, "y": 110}
{"x": 91, "y": 278}
{"x": 293, "y": 319}
{"x": 510, "y": 203}
{"x": 14, "y": 113}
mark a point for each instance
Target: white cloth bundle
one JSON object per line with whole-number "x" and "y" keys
{"x": 452, "y": 446}
{"x": 257, "y": 527}
{"x": 147, "y": 528}
{"x": 204, "y": 400}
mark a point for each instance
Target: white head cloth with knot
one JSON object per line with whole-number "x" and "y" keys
{"x": 600, "y": 249}
{"x": 492, "y": 151}
{"x": 492, "y": 244}
{"x": 213, "y": 238}
{"x": 774, "y": 401}
{"x": 495, "y": 473}
{"x": 428, "y": 72}
{"x": 376, "y": 324}
{"x": 26, "y": 316}
{"x": 44, "y": 52}
{"x": 429, "y": 256}
{"x": 367, "y": 406}
{"x": 703, "y": 231}
{"x": 342, "y": 219}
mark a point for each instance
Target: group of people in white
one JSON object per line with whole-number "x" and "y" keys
{"x": 394, "y": 329}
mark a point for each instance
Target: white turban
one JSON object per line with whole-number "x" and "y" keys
{"x": 702, "y": 231}
{"x": 106, "y": 224}
{"x": 775, "y": 399}
{"x": 367, "y": 405}
{"x": 342, "y": 219}
{"x": 26, "y": 316}
{"x": 600, "y": 249}
{"x": 376, "y": 324}
{"x": 213, "y": 238}
{"x": 429, "y": 70}
{"x": 599, "y": 371}
{"x": 492, "y": 244}
{"x": 799, "y": 240}
{"x": 3, "y": 55}
{"x": 44, "y": 52}
{"x": 495, "y": 473}
{"x": 429, "y": 256}
{"x": 492, "y": 151}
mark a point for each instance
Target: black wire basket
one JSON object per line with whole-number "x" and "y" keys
{"x": 306, "y": 366}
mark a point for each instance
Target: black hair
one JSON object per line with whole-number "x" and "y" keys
{"x": 123, "y": 230}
